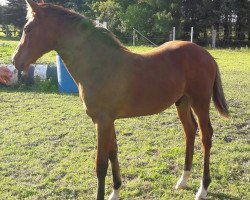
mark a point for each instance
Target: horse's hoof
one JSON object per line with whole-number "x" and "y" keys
{"x": 180, "y": 185}
{"x": 201, "y": 194}
{"x": 114, "y": 195}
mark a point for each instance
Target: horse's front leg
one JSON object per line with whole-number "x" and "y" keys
{"x": 106, "y": 149}
{"x": 115, "y": 168}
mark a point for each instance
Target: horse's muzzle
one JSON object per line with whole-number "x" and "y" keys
{"x": 16, "y": 63}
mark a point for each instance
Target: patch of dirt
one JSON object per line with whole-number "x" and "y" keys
{"x": 228, "y": 139}
{"x": 128, "y": 134}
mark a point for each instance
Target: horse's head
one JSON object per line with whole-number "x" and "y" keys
{"x": 37, "y": 39}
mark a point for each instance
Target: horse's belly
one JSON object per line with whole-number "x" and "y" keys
{"x": 150, "y": 100}
{"x": 145, "y": 109}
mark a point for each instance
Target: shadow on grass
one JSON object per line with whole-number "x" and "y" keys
{"x": 222, "y": 196}
{"x": 36, "y": 88}
{"x": 215, "y": 196}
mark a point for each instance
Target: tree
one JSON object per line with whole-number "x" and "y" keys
{"x": 3, "y": 21}
{"x": 154, "y": 18}
{"x": 77, "y": 5}
{"x": 166, "y": 15}
{"x": 3, "y": 15}
{"x": 241, "y": 10}
{"x": 16, "y": 13}
{"x": 124, "y": 4}
{"x": 109, "y": 11}
{"x": 138, "y": 16}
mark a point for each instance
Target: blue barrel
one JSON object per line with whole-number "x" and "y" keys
{"x": 65, "y": 82}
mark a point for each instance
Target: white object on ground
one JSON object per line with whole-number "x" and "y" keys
{"x": 14, "y": 78}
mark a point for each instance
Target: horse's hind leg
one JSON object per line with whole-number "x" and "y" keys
{"x": 201, "y": 108}
{"x": 190, "y": 128}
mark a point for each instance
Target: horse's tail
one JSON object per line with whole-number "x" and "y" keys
{"x": 218, "y": 95}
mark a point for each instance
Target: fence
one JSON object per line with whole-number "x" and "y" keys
{"x": 213, "y": 39}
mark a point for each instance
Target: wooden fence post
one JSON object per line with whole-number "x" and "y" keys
{"x": 173, "y": 33}
{"x": 134, "y": 37}
{"x": 192, "y": 34}
{"x": 214, "y": 33}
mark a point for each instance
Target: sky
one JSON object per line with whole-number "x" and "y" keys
{"x": 2, "y": 2}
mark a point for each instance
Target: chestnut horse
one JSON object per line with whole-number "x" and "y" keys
{"x": 115, "y": 83}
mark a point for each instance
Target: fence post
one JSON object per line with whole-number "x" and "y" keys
{"x": 133, "y": 37}
{"x": 192, "y": 33}
{"x": 173, "y": 33}
{"x": 214, "y": 33}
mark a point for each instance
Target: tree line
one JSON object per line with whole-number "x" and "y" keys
{"x": 153, "y": 18}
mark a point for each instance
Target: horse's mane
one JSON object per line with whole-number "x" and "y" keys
{"x": 79, "y": 20}
{"x": 63, "y": 12}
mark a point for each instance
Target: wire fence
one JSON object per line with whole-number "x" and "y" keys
{"x": 137, "y": 37}
{"x": 156, "y": 38}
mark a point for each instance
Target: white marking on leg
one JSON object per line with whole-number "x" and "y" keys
{"x": 202, "y": 193}
{"x": 182, "y": 183}
{"x": 114, "y": 195}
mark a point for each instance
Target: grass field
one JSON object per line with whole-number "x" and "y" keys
{"x": 47, "y": 144}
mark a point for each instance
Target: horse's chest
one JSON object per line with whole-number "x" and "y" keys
{"x": 93, "y": 103}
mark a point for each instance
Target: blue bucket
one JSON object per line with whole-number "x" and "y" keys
{"x": 65, "y": 82}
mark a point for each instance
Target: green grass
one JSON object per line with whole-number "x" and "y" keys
{"x": 47, "y": 145}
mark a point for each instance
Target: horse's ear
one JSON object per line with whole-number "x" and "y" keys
{"x": 32, "y": 7}
{"x": 40, "y": 1}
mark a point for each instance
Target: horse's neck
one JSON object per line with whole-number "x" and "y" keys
{"x": 86, "y": 55}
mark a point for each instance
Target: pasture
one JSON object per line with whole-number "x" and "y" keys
{"x": 47, "y": 143}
